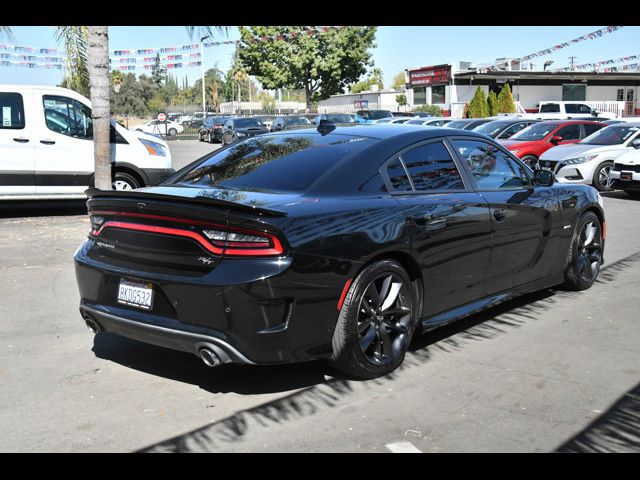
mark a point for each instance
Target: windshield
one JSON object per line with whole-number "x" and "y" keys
{"x": 274, "y": 163}
{"x": 457, "y": 124}
{"x": 298, "y": 121}
{"x": 614, "y": 135}
{"x": 491, "y": 128}
{"x": 247, "y": 123}
{"x": 534, "y": 132}
{"x": 340, "y": 118}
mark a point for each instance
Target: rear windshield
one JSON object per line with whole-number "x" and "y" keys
{"x": 247, "y": 122}
{"x": 457, "y": 124}
{"x": 537, "y": 131}
{"x": 274, "y": 163}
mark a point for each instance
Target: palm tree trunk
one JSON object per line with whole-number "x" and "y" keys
{"x": 98, "y": 67}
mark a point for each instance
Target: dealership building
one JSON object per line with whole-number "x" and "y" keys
{"x": 450, "y": 88}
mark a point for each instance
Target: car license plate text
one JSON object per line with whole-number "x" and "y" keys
{"x": 626, "y": 175}
{"x": 138, "y": 295}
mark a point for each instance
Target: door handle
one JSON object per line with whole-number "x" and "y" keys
{"x": 499, "y": 214}
{"x": 429, "y": 222}
{"x": 421, "y": 219}
{"x": 47, "y": 142}
{"x": 21, "y": 140}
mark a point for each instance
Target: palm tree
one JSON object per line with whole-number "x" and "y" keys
{"x": 88, "y": 47}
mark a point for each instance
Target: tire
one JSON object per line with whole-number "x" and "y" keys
{"x": 173, "y": 132}
{"x": 124, "y": 181}
{"x": 531, "y": 161}
{"x": 585, "y": 253}
{"x": 200, "y": 138}
{"x": 602, "y": 177}
{"x": 210, "y": 140}
{"x": 359, "y": 346}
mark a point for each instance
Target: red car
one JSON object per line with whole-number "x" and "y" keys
{"x": 531, "y": 142}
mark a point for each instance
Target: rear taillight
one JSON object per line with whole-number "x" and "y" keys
{"x": 218, "y": 239}
{"x": 217, "y": 127}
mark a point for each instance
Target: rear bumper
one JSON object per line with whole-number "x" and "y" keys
{"x": 168, "y": 334}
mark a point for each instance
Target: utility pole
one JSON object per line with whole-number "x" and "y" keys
{"x": 202, "y": 65}
{"x": 572, "y": 62}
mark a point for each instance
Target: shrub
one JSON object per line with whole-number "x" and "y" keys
{"x": 478, "y": 107}
{"x": 432, "y": 109}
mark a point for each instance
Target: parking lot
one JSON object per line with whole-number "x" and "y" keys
{"x": 550, "y": 371}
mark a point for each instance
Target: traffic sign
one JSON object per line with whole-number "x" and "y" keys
{"x": 162, "y": 117}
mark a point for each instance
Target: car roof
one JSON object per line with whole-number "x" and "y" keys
{"x": 569, "y": 122}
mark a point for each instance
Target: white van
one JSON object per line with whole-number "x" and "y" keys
{"x": 46, "y": 146}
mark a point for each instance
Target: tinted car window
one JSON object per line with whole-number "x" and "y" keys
{"x": 490, "y": 167}
{"x": 513, "y": 129}
{"x": 398, "y": 177}
{"x": 550, "y": 108}
{"x": 247, "y": 123}
{"x": 297, "y": 121}
{"x": 432, "y": 168}
{"x": 570, "y": 132}
{"x": 590, "y": 128}
{"x": 377, "y": 114}
{"x": 491, "y": 128}
{"x": 11, "y": 111}
{"x": 68, "y": 117}
{"x": 577, "y": 108}
{"x": 275, "y": 163}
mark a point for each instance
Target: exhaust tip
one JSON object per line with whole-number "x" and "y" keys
{"x": 91, "y": 324}
{"x": 209, "y": 357}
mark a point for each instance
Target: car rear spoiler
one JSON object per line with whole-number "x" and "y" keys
{"x": 96, "y": 193}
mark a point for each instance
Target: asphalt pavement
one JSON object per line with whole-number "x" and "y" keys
{"x": 550, "y": 371}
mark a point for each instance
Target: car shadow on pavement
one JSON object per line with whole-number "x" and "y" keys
{"x": 187, "y": 368}
{"x": 42, "y": 208}
{"x": 615, "y": 431}
{"x": 316, "y": 393}
{"x": 622, "y": 195}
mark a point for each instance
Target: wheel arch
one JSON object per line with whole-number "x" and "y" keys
{"x": 131, "y": 170}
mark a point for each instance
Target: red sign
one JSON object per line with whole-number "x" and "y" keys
{"x": 430, "y": 75}
{"x": 162, "y": 117}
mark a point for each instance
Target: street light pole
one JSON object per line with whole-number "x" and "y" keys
{"x": 202, "y": 65}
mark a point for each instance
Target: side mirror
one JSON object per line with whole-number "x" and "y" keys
{"x": 544, "y": 178}
{"x": 594, "y": 112}
{"x": 556, "y": 139}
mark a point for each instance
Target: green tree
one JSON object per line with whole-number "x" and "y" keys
{"x": 399, "y": 81}
{"x": 158, "y": 72}
{"x": 478, "y": 107}
{"x": 76, "y": 47}
{"x": 401, "y": 99}
{"x": 322, "y": 64}
{"x": 432, "y": 109}
{"x": 492, "y": 103}
{"x": 505, "y": 100}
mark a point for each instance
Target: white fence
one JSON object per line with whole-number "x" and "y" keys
{"x": 608, "y": 106}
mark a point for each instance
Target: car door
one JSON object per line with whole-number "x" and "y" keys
{"x": 448, "y": 224}
{"x": 526, "y": 219}
{"x": 64, "y": 149}
{"x": 17, "y": 139}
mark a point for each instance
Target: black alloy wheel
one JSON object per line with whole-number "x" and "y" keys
{"x": 531, "y": 161}
{"x": 376, "y": 321}
{"x": 585, "y": 253}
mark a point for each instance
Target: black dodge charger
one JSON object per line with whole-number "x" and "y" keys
{"x": 336, "y": 243}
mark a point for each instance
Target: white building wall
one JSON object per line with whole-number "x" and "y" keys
{"x": 464, "y": 93}
{"x": 607, "y": 93}
{"x": 530, "y": 96}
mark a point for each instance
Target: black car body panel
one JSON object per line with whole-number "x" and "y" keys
{"x": 283, "y": 306}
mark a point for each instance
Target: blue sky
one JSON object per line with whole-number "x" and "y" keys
{"x": 398, "y": 47}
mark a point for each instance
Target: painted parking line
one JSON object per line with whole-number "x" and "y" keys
{"x": 402, "y": 447}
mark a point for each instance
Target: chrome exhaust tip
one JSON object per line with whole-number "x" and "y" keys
{"x": 92, "y": 325}
{"x": 209, "y": 357}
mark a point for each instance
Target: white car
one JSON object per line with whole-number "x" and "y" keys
{"x": 155, "y": 127}
{"x": 625, "y": 173}
{"x": 394, "y": 120}
{"x": 429, "y": 121}
{"x": 590, "y": 161}
{"x": 46, "y": 147}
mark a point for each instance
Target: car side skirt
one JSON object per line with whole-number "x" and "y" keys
{"x": 458, "y": 313}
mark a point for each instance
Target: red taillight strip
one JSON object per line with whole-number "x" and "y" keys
{"x": 275, "y": 250}
{"x": 162, "y": 230}
{"x": 344, "y": 293}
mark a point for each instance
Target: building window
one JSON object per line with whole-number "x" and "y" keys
{"x": 419, "y": 95}
{"x": 437, "y": 94}
{"x": 573, "y": 91}
{"x": 620, "y": 95}
{"x": 630, "y": 95}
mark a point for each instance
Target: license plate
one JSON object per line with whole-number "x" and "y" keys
{"x": 136, "y": 294}
{"x": 626, "y": 175}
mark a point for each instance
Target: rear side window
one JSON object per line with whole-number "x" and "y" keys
{"x": 11, "y": 111}
{"x": 577, "y": 108}
{"x": 398, "y": 176}
{"x": 570, "y": 132}
{"x": 590, "y": 128}
{"x": 550, "y": 108}
{"x": 274, "y": 163}
{"x": 68, "y": 117}
{"x": 432, "y": 168}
